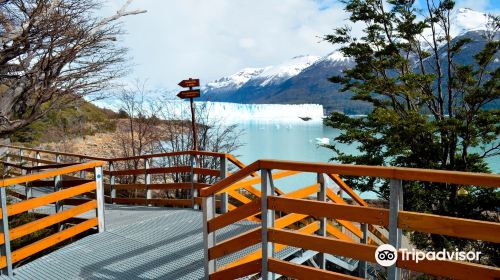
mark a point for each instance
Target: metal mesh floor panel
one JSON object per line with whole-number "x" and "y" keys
{"x": 140, "y": 243}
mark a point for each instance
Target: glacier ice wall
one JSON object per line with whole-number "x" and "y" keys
{"x": 235, "y": 112}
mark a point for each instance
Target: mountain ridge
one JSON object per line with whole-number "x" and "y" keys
{"x": 310, "y": 84}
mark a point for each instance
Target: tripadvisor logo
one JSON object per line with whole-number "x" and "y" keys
{"x": 387, "y": 255}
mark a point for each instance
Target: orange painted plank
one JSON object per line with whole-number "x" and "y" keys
{"x": 297, "y": 271}
{"x": 288, "y": 220}
{"x": 238, "y": 163}
{"x": 451, "y": 269}
{"x": 235, "y": 215}
{"x": 361, "y": 214}
{"x": 124, "y": 200}
{"x": 257, "y": 180}
{"x": 173, "y": 202}
{"x": 173, "y": 169}
{"x": 241, "y": 198}
{"x": 207, "y": 171}
{"x": 323, "y": 244}
{"x": 29, "y": 204}
{"x": 337, "y": 233}
{"x": 304, "y": 192}
{"x": 257, "y": 254}
{"x": 347, "y": 189}
{"x": 50, "y": 173}
{"x": 129, "y": 186}
{"x": 241, "y": 270}
{"x": 47, "y": 242}
{"x": 351, "y": 227}
{"x": 457, "y": 227}
{"x": 52, "y": 152}
{"x": 42, "y": 223}
{"x": 228, "y": 181}
{"x": 411, "y": 174}
{"x": 235, "y": 243}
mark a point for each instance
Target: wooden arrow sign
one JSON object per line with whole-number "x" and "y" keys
{"x": 189, "y": 94}
{"x": 190, "y": 83}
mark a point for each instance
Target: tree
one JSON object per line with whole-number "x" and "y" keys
{"x": 213, "y": 135}
{"x": 429, "y": 94}
{"x": 154, "y": 125}
{"x": 139, "y": 133}
{"x": 53, "y": 52}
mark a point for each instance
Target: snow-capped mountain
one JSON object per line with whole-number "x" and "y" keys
{"x": 263, "y": 76}
{"x": 236, "y": 80}
{"x": 464, "y": 20}
{"x": 279, "y": 73}
{"x": 303, "y": 79}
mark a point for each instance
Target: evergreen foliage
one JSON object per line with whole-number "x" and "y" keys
{"x": 429, "y": 109}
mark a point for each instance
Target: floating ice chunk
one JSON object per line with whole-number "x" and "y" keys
{"x": 322, "y": 141}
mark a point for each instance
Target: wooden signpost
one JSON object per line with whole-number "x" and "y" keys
{"x": 191, "y": 93}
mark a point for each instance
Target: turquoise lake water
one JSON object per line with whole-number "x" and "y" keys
{"x": 297, "y": 141}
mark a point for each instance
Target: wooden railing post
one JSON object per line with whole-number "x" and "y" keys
{"x": 209, "y": 239}
{"x": 194, "y": 179}
{"x": 82, "y": 172}
{"x": 21, "y": 155}
{"x": 38, "y": 157}
{"x": 147, "y": 181}
{"x": 322, "y": 179}
{"x": 4, "y": 228}
{"x": 25, "y": 171}
{"x": 395, "y": 233}
{"x": 112, "y": 191}
{"x": 99, "y": 194}
{"x": 267, "y": 222}
{"x": 58, "y": 187}
{"x": 224, "y": 198}
{"x": 362, "y": 265}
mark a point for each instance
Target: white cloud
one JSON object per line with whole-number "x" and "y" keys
{"x": 207, "y": 39}
{"x": 247, "y": 43}
{"x": 177, "y": 39}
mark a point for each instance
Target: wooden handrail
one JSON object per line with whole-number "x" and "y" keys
{"x": 228, "y": 181}
{"x": 402, "y": 173}
{"x": 188, "y": 152}
{"x": 53, "y": 152}
{"x": 298, "y": 209}
{"x": 361, "y": 214}
{"x": 445, "y": 268}
{"x": 456, "y": 227}
{"x": 51, "y": 173}
{"x": 238, "y": 271}
{"x": 297, "y": 271}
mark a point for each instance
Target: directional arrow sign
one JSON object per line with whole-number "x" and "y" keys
{"x": 190, "y": 83}
{"x": 189, "y": 94}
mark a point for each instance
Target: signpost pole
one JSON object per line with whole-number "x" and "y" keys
{"x": 191, "y": 94}
{"x": 193, "y": 124}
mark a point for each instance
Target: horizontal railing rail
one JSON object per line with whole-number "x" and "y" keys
{"x": 134, "y": 183}
{"x": 303, "y": 219}
{"x": 59, "y": 216}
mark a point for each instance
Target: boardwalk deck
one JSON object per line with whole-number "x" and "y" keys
{"x": 140, "y": 243}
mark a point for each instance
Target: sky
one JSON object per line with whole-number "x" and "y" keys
{"x": 209, "y": 39}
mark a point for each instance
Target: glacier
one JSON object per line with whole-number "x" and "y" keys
{"x": 226, "y": 112}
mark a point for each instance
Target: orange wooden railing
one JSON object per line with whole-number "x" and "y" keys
{"x": 282, "y": 223}
{"x": 22, "y": 160}
{"x": 59, "y": 214}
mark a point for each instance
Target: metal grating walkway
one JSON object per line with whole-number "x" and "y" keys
{"x": 140, "y": 243}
